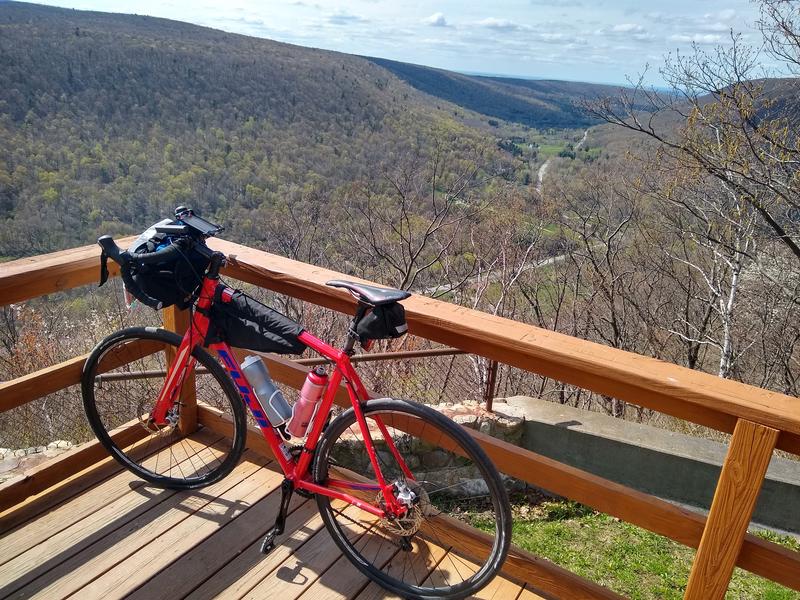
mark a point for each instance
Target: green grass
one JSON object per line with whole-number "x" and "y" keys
{"x": 623, "y": 557}
{"x": 550, "y": 149}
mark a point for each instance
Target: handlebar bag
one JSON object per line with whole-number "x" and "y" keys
{"x": 172, "y": 281}
{"x": 383, "y": 322}
{"x": 243, "y": 322}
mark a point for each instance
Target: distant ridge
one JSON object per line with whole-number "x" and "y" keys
{"x": 531, "y": 102}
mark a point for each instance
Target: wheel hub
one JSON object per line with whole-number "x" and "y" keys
{"x": 172, "y": 417}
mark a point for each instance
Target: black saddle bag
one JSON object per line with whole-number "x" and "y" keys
{"x": 383, "y": 322}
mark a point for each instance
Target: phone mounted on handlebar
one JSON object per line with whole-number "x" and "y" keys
{"x": 165, "y": 264}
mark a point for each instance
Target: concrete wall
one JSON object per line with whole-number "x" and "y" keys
{"x": 670, "y": 465}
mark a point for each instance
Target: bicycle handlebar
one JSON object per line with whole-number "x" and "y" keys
{"x": 124, "y": 259}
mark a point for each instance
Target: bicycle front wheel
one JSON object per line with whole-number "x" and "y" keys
{"x": 457, "y": 528}
{"x": 121, "y": 381}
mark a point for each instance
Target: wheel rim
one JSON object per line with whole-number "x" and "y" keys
{"x": 122, "y": 396}
{"x": 451, "y": 491}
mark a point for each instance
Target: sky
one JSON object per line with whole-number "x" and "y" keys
{"x": 600, "y": 41}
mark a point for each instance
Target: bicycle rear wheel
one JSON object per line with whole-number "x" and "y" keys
{"x": 121, "y": 382}
{"x": 435, "y": 551}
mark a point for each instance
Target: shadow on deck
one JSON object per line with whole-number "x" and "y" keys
{"x": 106, "y": 534}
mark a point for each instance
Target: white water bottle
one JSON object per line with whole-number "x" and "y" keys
{"x": 303, "y": 409}
{"x": 268, "y": 394}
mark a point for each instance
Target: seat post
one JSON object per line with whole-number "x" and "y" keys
{"x": 352, "y": 336}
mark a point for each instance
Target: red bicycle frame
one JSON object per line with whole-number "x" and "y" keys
{"x": 295, "y": 470}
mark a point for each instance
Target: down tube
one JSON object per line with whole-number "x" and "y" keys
{"x": 279, "y": 449}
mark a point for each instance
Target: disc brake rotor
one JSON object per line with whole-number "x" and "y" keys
{"x": 418, "y": 505}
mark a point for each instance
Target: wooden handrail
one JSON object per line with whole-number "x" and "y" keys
{"x": 691, "y": 395}
{"x": 669, "y": 388}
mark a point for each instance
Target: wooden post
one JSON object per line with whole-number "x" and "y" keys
{"x": 178, "y": 321}
{"x": 739, "y": 483}
{"x": 491, "y": 383}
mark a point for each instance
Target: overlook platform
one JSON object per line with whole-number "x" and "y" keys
{"x": 79, "y": 526}
{"x": 107, "y": 534}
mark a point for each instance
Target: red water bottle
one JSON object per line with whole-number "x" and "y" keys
{"x": 304, "y": 408}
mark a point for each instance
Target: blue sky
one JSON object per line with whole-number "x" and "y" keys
{"x": 583, "y": 40}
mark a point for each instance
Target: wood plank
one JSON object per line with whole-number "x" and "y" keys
{"x": 305, "y": 566}
{"x": 528, "y": 593}
{"x": 58, "y": 493}
{"x": 105, "y": 518}
{"x": 425, "y": 564}
{"x": 30, "y": 535}
{"x": 179, "y": 539}
{"x": 221, "y": 424}
{"x": 246, "y": 570}
{"x": 26, "y": 388}
{"x": 238, "y": 542}
{"x": 63, "y": 578}
{"x": 424, "y": 560}
{"x": 35, "y": 276}
{"x": 50, "y": 472}
{"x": 453, "y": 568}
{"x": 58, "y": 377}
{"x": 735, "y": 498}
{"x": 342, "y": 581}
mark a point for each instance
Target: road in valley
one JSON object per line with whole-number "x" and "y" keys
{"x": 546, "y": 165}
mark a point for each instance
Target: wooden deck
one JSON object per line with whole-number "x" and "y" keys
{"x": 106, "y": 534}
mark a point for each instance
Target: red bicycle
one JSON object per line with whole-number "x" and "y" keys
{"x": 387, "y": 475}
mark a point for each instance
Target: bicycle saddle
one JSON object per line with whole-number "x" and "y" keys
{"x": 369, "y": 293}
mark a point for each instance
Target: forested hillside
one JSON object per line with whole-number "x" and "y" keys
{"x": 107, "y": 121}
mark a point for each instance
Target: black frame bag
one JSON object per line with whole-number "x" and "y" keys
{"x": 385, "y": 321}
{"x": 243, "y": 322}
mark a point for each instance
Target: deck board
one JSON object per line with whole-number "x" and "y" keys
{"x": 243, "y": 573}
{"x": 173, "y": 541}
{"x": 235, "y": 545}
{"x": 115, "y": 536}
{"x": 58, "y": 578}
{"x": 89, "y": 514}
{"x": 300, "y": 571}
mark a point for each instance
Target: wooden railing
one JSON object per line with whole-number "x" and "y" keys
{"x": 760, "y": 420}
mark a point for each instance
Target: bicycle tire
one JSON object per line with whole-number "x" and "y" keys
{"x": 116, "y": 396}
{"x": 363, "y": 539}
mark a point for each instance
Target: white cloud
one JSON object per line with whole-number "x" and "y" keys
{"x": 626, "y": 31}
{"x": 436, "y": 20}
{"x": 345, "y": 18}
{"x": 501, "y": 24}
{"x": 717, "y": 27}
{"x": 628, "y": 28}
{"x": 697, "y": 38}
